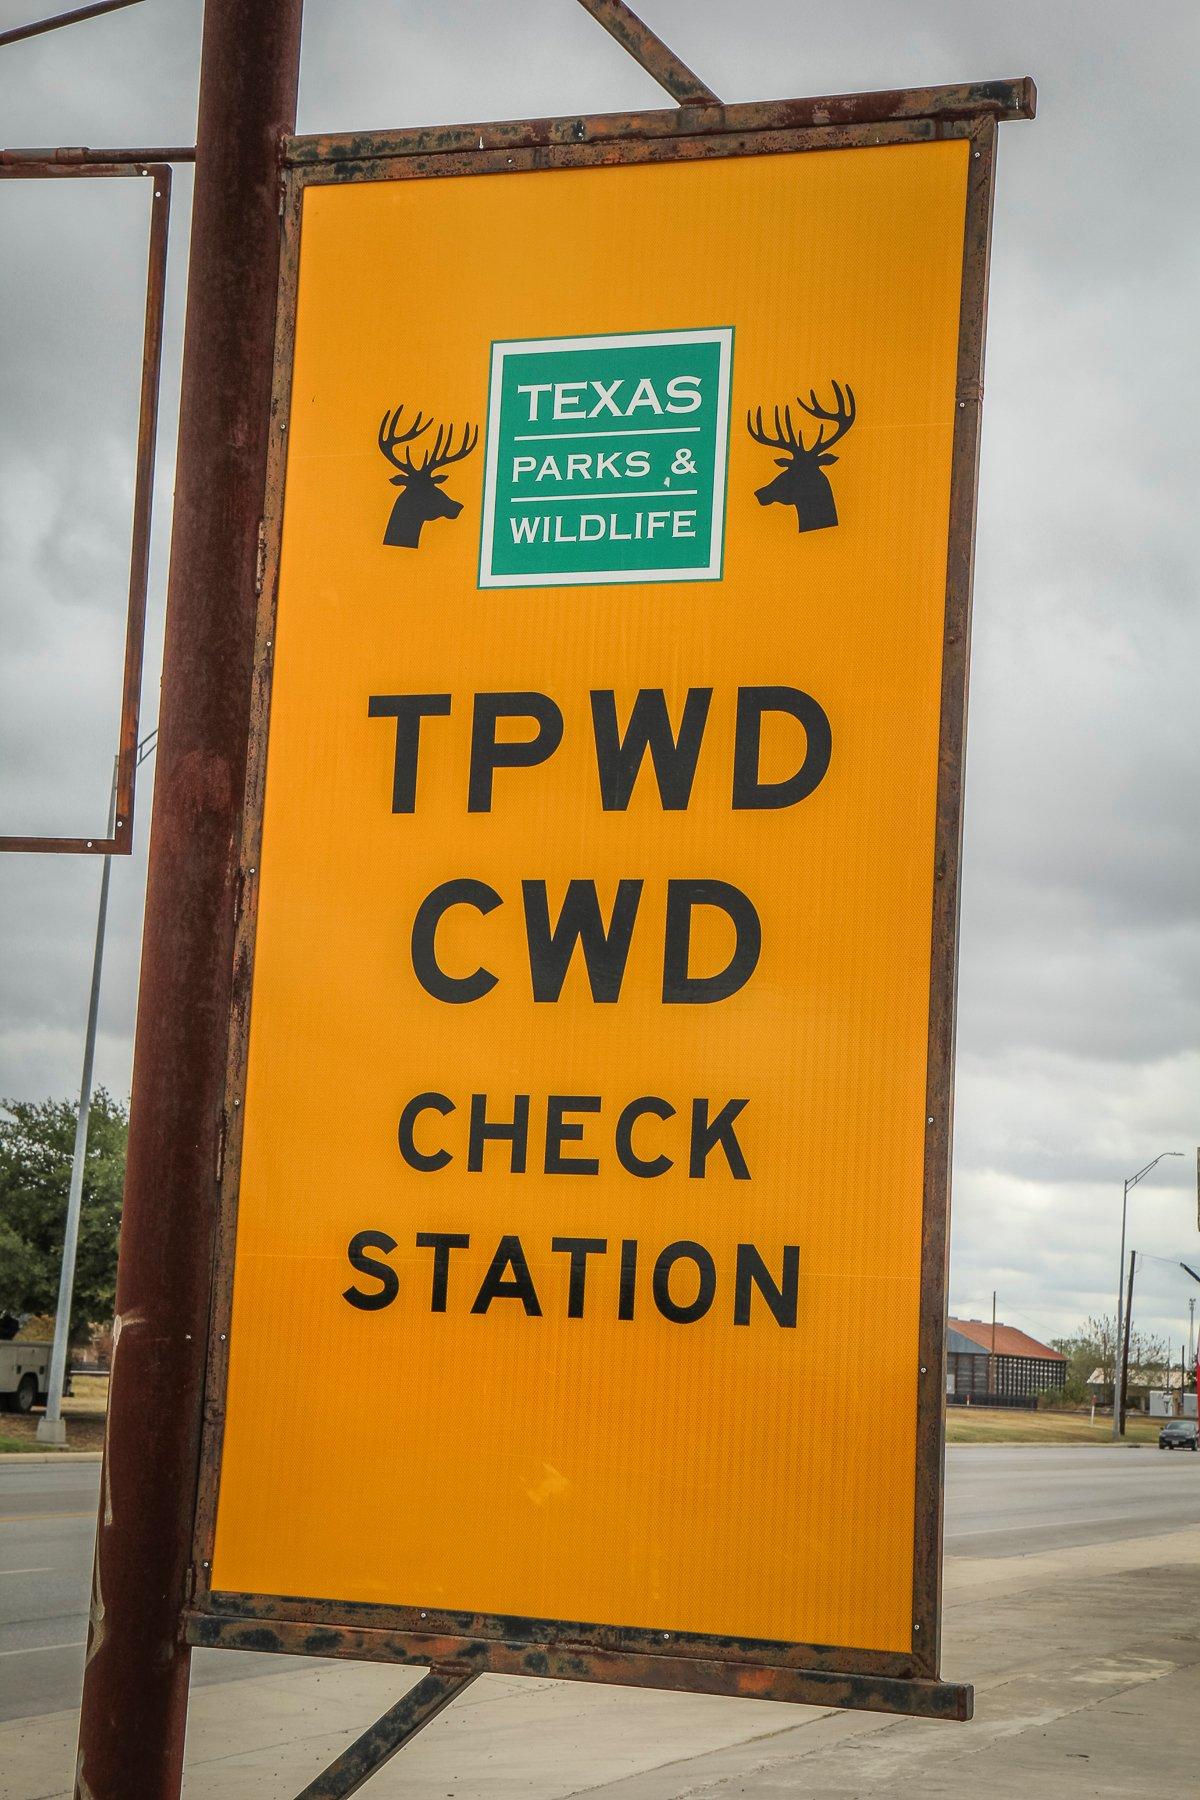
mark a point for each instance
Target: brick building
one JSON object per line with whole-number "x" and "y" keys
{"x": 1009, "y": 1367}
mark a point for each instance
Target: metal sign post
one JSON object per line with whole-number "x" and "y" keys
{"x": 135, "y": 1685}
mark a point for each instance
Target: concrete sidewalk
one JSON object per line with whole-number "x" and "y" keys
{"x": 1086, "y": 1664}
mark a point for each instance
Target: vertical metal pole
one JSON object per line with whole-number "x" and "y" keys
{"x": 51, "y": 1429}
{"x": 1125, "y": 1344}
{"x": 136, "y": 1676}
{"x": 1116, "y": 1416}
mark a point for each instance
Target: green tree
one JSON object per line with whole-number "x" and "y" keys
{"x": 1094, "y": 1346}
{"x": 36, "y": 1143}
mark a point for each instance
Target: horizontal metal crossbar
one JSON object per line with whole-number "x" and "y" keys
{"x": 563, "y": 1661}
{"x": 1015, "y": 99}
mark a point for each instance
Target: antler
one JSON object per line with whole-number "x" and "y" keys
{"x": 443, "y": 452}
{"x": 390, "y": 435}
{"x": 786, "y": 437}
{"x": 841, "y": 420}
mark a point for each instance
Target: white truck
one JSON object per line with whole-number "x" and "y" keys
{"x": 24, "y": 1374}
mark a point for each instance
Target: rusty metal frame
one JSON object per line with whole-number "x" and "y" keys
{"x": 380, "y": 1742}
{"x": 19, "y": 34}
{"x": 647, "y": 48}
{"x": 23, "y": 168}
{"x": 459, "y": 1643}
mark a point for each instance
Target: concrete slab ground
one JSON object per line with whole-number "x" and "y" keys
{"x": 1086, "y": 1663}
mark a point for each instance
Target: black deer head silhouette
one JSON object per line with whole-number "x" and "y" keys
{"x": 803, "y": 482}
{"x": 420, "y": 498}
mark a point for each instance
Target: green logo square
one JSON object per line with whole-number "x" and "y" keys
{"x": 606, "y": 459}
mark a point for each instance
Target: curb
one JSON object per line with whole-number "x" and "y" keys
{"x": 1036, "y": 1444}
{"x": 49, "y": 1456}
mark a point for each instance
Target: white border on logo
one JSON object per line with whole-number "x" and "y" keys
{"x": 722, "y": 336}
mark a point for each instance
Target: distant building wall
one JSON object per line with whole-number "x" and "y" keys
{"x": 1019, "y": 1368}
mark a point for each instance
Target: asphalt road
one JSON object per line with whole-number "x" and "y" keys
{"x": 47, "y": 1525}
{"x": 1000, "y": 1501}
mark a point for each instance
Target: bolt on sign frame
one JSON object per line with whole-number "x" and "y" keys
{"x": 459, "y": 1642}
{"x": 49, "y": 165}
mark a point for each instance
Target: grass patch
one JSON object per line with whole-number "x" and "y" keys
{"x": 18, "y": 1431}
{"x": 985, "y": 1425}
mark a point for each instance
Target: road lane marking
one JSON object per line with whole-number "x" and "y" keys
{"x": 33, "y": 1649}
{"x": 41, "y": 1517}
{"x": 1062, "y": 1525}
{"x": 46, "y": 1571}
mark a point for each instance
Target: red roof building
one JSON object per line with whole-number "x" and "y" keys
{"x": 998, "y": 1364}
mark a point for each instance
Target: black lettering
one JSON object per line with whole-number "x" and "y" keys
{"x": 517, "y": 1286}
{"x": 441, "y": 1243}
{"x": 419, "y": 1159}
{"x": 627, "y": 1291}
{"x": 752, "y": 703}
{"x": 455, "y": 990}
{"x": 382, "y": 1272}
{"x": 408, "y": 710}
{"x": 578, "y": 1249}
{"x": 706, "y": 1277}
{"x": 707, "y": 1135}
{"x": 558, "y": 1132}
{"x": 752, "y": 1272}
{"x": 619, "y": 759}
{"x": 682, "y": 989}
{"x": 482, "y": 1129}
{"x": 626, "y": 1155}
{"x": 605, "y": 948}
{"x": 487, "y": 755}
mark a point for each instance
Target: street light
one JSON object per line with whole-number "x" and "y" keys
{"x": 51, "y": 1429}
{"x": 1131, "y": 1181}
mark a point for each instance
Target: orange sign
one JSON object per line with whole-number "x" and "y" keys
{"x": 583, "y": 1180}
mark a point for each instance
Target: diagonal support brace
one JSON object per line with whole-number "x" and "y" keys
{"x": 377, "y": 1746}
{"x": 622, "y": 23}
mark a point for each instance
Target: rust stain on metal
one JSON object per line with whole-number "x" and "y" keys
{"x": 648, "y": 50}
{"x": 78, "y": 155}
{"x": 389, "y": 1734}
{"x": 201, "y": 786}
{"x": 1012, "y": 99}
{"x": 565, "y": 1636}
{"x": 912, "y": 1697}
{"x": 609, "y": 153}
{"x": 939, "y": 1098}
{"x": 76, "y": 16}
{"x": 135, "y": 1686}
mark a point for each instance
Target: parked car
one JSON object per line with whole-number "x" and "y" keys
{"x": 1179, "y": 1434}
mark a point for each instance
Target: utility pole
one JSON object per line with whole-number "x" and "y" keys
{"x": 52, "y": 1428}
{"x": 992, "y": 1369}
{"x": 136, "y": 1673}
{"x": 1125, "y": 1347}
{"x": 1131, "y": 1181}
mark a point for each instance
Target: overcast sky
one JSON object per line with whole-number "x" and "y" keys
{"x": 1079, "y": 1012}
